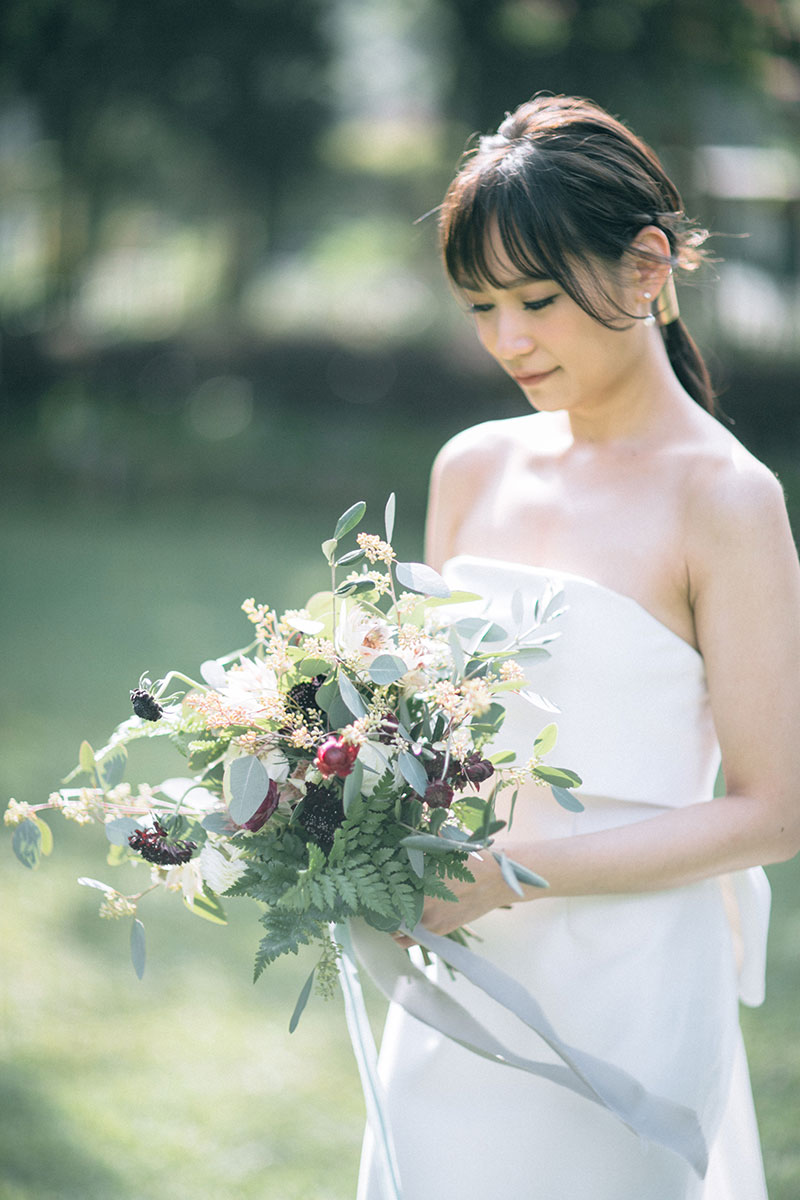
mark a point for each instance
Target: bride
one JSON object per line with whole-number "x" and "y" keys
{"x": 679, "y": 646}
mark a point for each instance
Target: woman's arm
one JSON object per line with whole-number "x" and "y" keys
{"x": 745, "y": 587}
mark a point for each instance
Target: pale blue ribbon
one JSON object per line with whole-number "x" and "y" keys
{"x": 662, "y": 1121}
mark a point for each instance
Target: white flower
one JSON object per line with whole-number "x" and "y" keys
{"x": 277, "y": 765}
{"x": 220, "y": 869}
{"x": 185, "y": 877}
{"x": 362, "y": 635}
{"x": 248, "y": 683}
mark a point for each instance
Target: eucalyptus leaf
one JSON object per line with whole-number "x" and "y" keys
{"x": 417, "y": 859}
{"x": 469, "y": 627}
{"x": 120, "y": 829}
{"x": 530, "y": 654}
{"x": 546, "y": 740}
{"x": 207, "y": 907}
{"x": 388, "y": 516}
{"x": 248, "y": 782}
{"x": 352, "y": 556}
{"x": 418, "y": 577}
{"x": 508, "y": 873}
{"x": 387, "y": 668}
{"x": 558, "y": 775}
{"x": 554, "y": 606}
{"x": 566, "y": 799}
{"x": 329, "y": 549}
{"x": 457, "y": 651}
{"x": 302, "y": 1001}
{"x": 86, "y": 758}
{"x": 85, "y": 881}
{"x": 26, "y": 843}
{"x": 112, "y": 766}
{"x": 138, "y": 947}
{"x": 47, "y": 835}
{"x": 428, "y": 843}
{"x": 217, "y": 822}
{"x": 352, "y": 785}
{"x": 326, "y": 693}
{"x": 538, "y": 701}
{"x": 355, "y": 587}
{"x": 349, "y": 519}
{"x": 520, "y": 873}
{"x": 339, "y": 714}
{"x": 413, "y": 772}
{"x": 309, "y": 667}
{"x": 351, "y": 696}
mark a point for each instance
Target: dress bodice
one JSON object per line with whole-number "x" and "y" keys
{"x": 634, "y": 718}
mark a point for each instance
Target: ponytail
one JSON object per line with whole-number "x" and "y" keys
{"x": 687, "y": 363}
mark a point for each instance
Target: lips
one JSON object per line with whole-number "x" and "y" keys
{"x": 531, "y": 378}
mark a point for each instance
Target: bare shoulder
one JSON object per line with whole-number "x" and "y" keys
{"x": 464, "y": 468}
{"x": 730, "y": 493}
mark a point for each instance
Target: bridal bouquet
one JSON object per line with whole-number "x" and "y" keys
{"x": 333, "y": 765}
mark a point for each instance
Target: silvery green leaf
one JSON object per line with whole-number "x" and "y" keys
{"x": 428, "y": 843}
{"x": 207, "y": 907}
{"x": 309, "y": 667}
{"x": 351, "y": 556}
{"x": 119, "y": 830}
{"x": 329, "y": 549}
{"x": 86, "y": 758}
{"x": 537, "y": 700}
{"x": 417, "y": 860}
{"x": 418, "y": 577}
{"x": 138, "y": 948}
{"x": 352, "y": 785}
{"x": 413, "y": 772}
{"x": 546, "y": 740}
{"x": 551, "y": 600}
{"x": 351, "y": 696}
{"x": 302, "y": 1001}
{"x": 566, "y": 799}
{"x": 112, "y": 766}
{"x": 479, "y": 630}
{"x": 530, "y": 654}
{"x": 457, "y": 651}
{"x": 326, "y": 693}
{"x": 387, "y": 668}
{"x": 85, "y": 881}
{"x": 217, "y": 822}
{"x": 349, "y": 519}
{"x": 248, "y": 782}
{"x": 26, "y": 843}
{"x": 508, "y": 873}
{"x": 558, "y": 775}
{"x": 520, "y": 874}
{"x": 388, "y": 517}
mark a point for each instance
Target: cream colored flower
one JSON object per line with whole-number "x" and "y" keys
{"x": 17, "y": 811}
{"x": 221, "y": 868}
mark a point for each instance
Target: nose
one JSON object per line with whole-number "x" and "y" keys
{"x": 513, "y": 335}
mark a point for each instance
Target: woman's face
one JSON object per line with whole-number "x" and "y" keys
{"x": 561, "y": 357}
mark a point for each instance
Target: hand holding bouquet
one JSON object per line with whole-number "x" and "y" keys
{"x": 334, "y": 764}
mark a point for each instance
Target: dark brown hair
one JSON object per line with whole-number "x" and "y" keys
{"x": 566, "y": 186}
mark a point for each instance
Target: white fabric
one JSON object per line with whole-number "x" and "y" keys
{"x": 648, "y": 982}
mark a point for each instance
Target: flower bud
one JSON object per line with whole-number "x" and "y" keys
{"x": 265, "y": 809}
{"x": 335, "y": 757}
{"x": 477, "y": 769}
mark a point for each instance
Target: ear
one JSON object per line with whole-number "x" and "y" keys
{"x": 650, "y": 259}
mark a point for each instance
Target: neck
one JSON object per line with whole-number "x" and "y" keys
{"x": 646, "y": 394}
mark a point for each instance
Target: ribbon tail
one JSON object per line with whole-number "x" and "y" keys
{"x": 366, "y": 1057}
{"x": 659, "y": 1120}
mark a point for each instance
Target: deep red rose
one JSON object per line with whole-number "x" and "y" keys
{"x": 335, "y": 757}
{"x": 439, "y": 794}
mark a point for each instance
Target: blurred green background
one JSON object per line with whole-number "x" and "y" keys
{"x": 222, "y": 323}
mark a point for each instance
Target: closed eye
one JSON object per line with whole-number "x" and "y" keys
{"x": 535, "y": 305}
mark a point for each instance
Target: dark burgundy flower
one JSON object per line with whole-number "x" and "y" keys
{"x": 388, "y": 728}
{"x": 335, "y": 757}
{"x": 156, "y": 846}
{"x": 321, "y": 815}
{"x": 477, "y": 769}
{"x": 439, "y": 794}
{"x": 145, "y": 705}
{"x": 304, "y": 695}
{"x": 265, "y": 809}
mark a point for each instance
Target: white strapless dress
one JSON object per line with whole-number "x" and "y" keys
{"x": 649, "y": 982}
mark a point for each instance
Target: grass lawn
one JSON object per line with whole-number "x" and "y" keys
{"x": 187, "y": 1084}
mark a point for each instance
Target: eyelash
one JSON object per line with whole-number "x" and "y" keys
{"x": 530, "y": 305}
